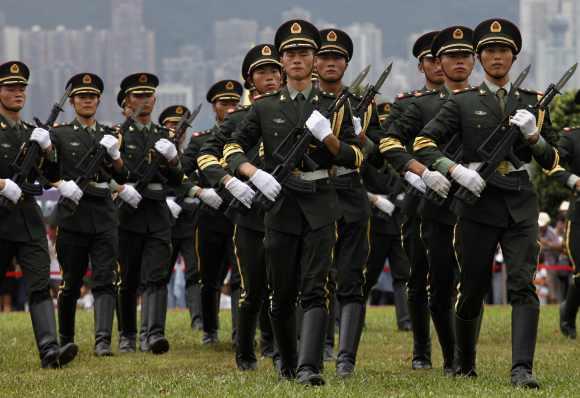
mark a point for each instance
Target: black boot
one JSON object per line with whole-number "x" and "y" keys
{"x": 44, "y": 327}
{"x": 266, "y": 334}
{"x": 328, "y": 353}
{"x": 210, "y": 308}
{"x": 245, "y": 355}
{"x": 351, "y": 321}
{"x": 402, "y": 306}
{"x": 311, "y": 345}
{"x": 127, "y": 307}
{"x": 235, "y": 304}
{"x": 467, "y": 333}
{"x": 444, "y": 322}
{"x": 285, "y": 358}
{"x": 421, "y": 335}
{"x": 156, "y": 315}
{"x": 193, "y": 297}
{"x": 568, "y": 312}
{"x": 524, "y": 332}
{"x": 67, "y": 308}
{"x": 104, "y": 312}
{"x": 143, "y": 336}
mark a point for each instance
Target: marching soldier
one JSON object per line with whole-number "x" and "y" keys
{"x": 214, "y": 230}
{"x": 90, "y": 233}
{"x": 453, "y": 47}
{"x": 262, "y": 73}
{"x": 506, "y": 211}
{"x": 182, "y": 234}
{"x": 145, "y": 219}
{"x": 22, "y": 232}
{"x": 300, "y": 227}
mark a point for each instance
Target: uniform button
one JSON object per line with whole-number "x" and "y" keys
{"x": 479, "y": 126}
{"x": 275, "y": 134}
{"x": 503, "y": 128}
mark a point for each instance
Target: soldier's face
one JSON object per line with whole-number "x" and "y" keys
{"x": 147, "y": 100}
{"x": 330, "y": 67}
{"x": 223, "y": 107}
{"x": 13, "y": 97}
{"x": 298, "y": 63}
{"x": 496, "y": 60}
{"x": 266, "y": 78}
{"x": 431, "y": 68}
{"x": 457, "y": 66}
{"x": 85, "y": 105}
{"x": 170, "y": 125}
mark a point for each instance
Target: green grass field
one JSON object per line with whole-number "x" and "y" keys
{"x": 192, "y": 370}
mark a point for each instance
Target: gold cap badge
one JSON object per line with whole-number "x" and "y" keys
{"x": 14, "y": 68}
{"x": 179, "y": 110}
{"x": 495, "y": 27}
{"x": 458, "y": 34}
{"x": 296, "y": 28}
{"x": 87, "y": 79}
{"x": 229, "y": 86}
{"x": 331, "y": 36}
{"x": 266, "y": 51}
{"x": 143, "y": 78}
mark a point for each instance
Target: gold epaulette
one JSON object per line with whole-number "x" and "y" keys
{"x": 465, "y": 90}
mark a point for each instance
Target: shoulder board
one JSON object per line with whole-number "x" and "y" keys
{"x": 58, "y": 125}
{"x": 407, "y": 94}
{"x": 424, "y": 93}
{"x": 570, "y": 129}
{"x": 530, "y": 91}
{"x": 242, "y": 108}
{"x": 266, "y": 95}
{"x": 465, "y": 90}
{"x": 327, "y": 94}
{"x": 29, "y": 125}
{"x": 161, "y": 129}
{"x": 200, "y": 133}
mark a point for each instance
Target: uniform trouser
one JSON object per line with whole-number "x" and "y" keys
{"x": 214, "y": 251}
{"x": 185, "y": 247}
{"x": 351, "y": 253}
{"x": 573, "y": 248}
{"x": 141, "y": 256}
{"x": 75, "y": 250}
{"x": 417, "y": 256}
{"x": 297, "y": 263}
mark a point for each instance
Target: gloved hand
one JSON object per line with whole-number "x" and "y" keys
{"x": 415, "y": 181}
{"x": 11, "y": 191}
{"x": 111, "y": 144}
{"x": 526, "y": 121}
{"x": 210, "y": 198}
{"x": 174, "y": 208}
{"x": 69, "y": 189}
{"x": 357, "y": 125}
{"x": 437, "y": 182}
{"x": 42, "y": 137}
{"x": 130, "y": 195}
{"x": 240, "y": 191}
{"x": 384, "y": 204}
{"x": 319, "y": 126}
{"x": 266, "y": 184}
{"x": 166, "y": 148}
{"x": 469, "y": 179}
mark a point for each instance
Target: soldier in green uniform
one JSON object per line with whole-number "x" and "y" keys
{"x": 22, "y": 232}
{"x": 301, "y": 223}
{"x": 214, "y": 230}
{"x": 453, "y": 47}
{"x": 506, "y": 211}
{"x": 183, "y": 231}
{"x": 417, "y": 290}
{"x": 262, "y": 73}
{"x": 145, "y": 219}
{"x": 90, "y": 233}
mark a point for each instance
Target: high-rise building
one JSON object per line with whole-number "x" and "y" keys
{"x": 367, "y": 39}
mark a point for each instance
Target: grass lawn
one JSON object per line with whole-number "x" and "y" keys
{"x": 192, "y": 370}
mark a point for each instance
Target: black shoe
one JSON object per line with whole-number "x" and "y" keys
{"x": 288, "y": 374}
{"x": 421, "y": 364}
{"x": 421, "y": 325}
{"x": 67, "y": 353}
{"x": 344, "y": 369}
{"x": 156, "y": 316}
{"x": 103, "y": 350}
{"x": 197, "y": 324}
{"x": 523, "y": 378}
{"x": 246, "y": 365}
{"x": 209, "y": 339}
{"x": 127, "y": 344}
{"x": 267, "y": 350}
{"x": 50, "y": 359}
{"x": 158, "y": 344}
{"x": 444, "y": 322}
{"x": 351, "y": 320}
{"x": 568, "y": 329}
{"x": 104, "y": 313}
{"x": 193, "y": 298}
{"x": 309, "y": 377}
{"x": 467, "y": 332}
{"x": 328, "y": 354}
{"x": 405, "y": 327}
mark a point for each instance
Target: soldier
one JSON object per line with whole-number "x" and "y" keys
{"x": 22, "y": 231}
{"x": 145, "y": 219}
{"x": 90, "y": 233}
{"x": 262, "y": 74}
{"x": 182, "y": 234}
{"x": 453, "y": 47}
{"x": 506, "y": 211}
{"x": 214, "y": 230}
{"x": 417, "y": 289}
{"x": 300, "y": 227}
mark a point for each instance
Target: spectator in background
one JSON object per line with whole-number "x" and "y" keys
{"x": 551, "y": 248}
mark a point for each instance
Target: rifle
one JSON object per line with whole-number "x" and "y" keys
{"x": 30, "y": 152}
{"x": 499, "y": 145}
{"x": 89, "y": 165}
{"x": 454, "y": 148}
{"x": 371, "y": 91}
{"x": 183, "y": 124}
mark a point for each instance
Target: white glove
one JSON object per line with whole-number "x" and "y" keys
{"x": 437, "y": 182}
{"x": 41, "y": 136}
{"x": 174, "y": 208}
{"x": 319, "y": 126}
{"x": 130, "y": 195}
{"x": 70, "y": 190}
{"x": 240, "y": 191}
{"x": 166, "y": 148}
{"x": 266, "y": 184}
{"x": 357, "y": 125}
{"x": 526, "y": 121}
{"x": 468, "y": 178}
{"x": 415, "y": 181}
{"x": 111, "y": 144}
{"x": 384, "y": 205}
{"x": 210, "y": 198}
{"x": 11, "y": 191}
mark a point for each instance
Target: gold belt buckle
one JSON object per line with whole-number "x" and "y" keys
{"x": 503, "y": 167}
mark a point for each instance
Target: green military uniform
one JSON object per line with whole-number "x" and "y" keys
{"x": 145, "y": 232}
{"x": 22, "y": 232}
{"x": 505, "y": 214}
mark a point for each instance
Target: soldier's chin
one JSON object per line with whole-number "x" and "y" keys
{"x": 15, "y": 108}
